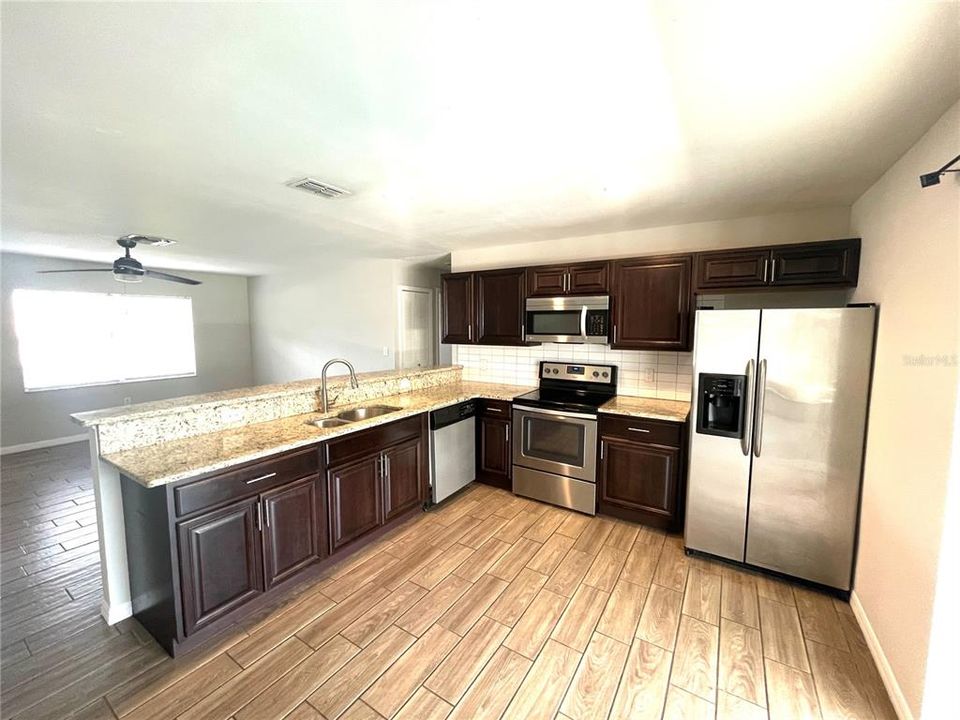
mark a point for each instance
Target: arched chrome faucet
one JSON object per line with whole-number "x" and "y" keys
{"x": 323, "y": 379}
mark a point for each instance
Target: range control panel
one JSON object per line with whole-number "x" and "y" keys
{"x": 580, "y": 373}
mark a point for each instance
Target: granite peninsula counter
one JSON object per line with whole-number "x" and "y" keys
{"x": 155, "y": 444}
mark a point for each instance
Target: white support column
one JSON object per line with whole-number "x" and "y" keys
{"x": 116, "y": 604}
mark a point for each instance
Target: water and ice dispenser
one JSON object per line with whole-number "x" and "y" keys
{"x": 721, "y": 405}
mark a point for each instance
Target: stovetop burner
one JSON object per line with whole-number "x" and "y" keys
{"x": 572, "y": 387}
{"x": 574, "y": 400}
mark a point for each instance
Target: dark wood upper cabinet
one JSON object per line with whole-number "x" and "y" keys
{"x": 547, "y": 281}
{"x": 651, "y": 303}
{"x": 292, "y": 536}
{"x": 457, "y": 318}
{"x": 220, "y": 562}
{"x": 831, "y": 263}
{"x": 402, "y": 487}
{"x": 354, "y": 500}
{"x": 741, "y": 268}
{"x": 579, "y": 279}
{"x": 834, "y": 263}
{"x": 589, "y": 279}
{"x": 500, "y": 300}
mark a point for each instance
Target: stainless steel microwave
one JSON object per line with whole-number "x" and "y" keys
{"x": 568, "y": 319}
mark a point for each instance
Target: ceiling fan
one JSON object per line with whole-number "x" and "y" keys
{"x": 127, "y": 269}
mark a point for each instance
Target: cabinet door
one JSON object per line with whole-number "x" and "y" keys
{"x": 589, "y": 279}
{"x": 291, "y": 530}
{"x": 220, "y": 562}
{"x": 457, "y": 308}
{"x": 547, "y": 281}
{"x": 354, "y": 500}
{"x": 494, "y": 458}
{"x": 830, "y": 263}
{"x": 500, "y": 307}
{"x": 402, "y": 482}
{"x": 652, "y": 303}
{"x": 721, "y": 270}
{"x": 640, "y": 478}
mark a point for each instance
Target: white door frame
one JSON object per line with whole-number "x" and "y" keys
{"x": 435, "y": 345}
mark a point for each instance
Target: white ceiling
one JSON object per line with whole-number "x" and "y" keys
{"x": 455, "y": 124}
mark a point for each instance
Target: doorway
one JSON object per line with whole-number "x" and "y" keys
{"x": 417, "y": 341}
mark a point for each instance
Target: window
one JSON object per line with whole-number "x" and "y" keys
{"x": 72, "y": 339}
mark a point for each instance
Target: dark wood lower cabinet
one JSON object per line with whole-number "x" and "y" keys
{"x": 292, "y": 526}
{"x": 642, "y": 481}
{"x": 355, "y": 502}
{"x": 200, "y": 554}
{"x": 494, "y": 444}
{"x": 402, "y": 485}
{"x": 220, "y": 562}
{"x": 640, "y": 478}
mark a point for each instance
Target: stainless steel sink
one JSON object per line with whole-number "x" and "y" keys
{"x": 327, "y": 422}
{"x": 362, "y": 413}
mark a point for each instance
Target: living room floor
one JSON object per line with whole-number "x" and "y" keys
{"x": 487, "y": 606}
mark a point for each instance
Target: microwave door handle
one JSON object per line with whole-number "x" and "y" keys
{"x": 583, "y": 322}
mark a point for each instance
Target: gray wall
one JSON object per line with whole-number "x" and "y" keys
{"x": 222, "y": 331}
{"x": 347, "y": 308}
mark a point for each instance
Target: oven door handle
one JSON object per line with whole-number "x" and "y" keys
{"x": 583, "y": 322}
{"x": 556, "y": 413}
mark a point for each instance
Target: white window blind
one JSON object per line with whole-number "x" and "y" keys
{"x": 72, "y": 339}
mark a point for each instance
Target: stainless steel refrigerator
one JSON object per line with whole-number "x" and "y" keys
{"x": 776, "y": 448}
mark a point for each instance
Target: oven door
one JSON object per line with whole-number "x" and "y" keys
{"x": 564, "y": 443}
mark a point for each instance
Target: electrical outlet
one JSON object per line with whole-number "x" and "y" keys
{"x": 649, "y": 375}
{"x": 386, "y": 351}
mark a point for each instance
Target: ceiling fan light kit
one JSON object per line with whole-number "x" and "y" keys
{"x": 129, "y": 270}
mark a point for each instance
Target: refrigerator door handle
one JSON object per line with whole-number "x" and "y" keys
{"x": 748, "y": 411}
{"x": 760, "y": 403}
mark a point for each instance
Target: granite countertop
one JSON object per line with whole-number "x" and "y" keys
{"x": 168, "y": 462}
{"x": 125, "y": 413}
{"x": 650, "y": 408}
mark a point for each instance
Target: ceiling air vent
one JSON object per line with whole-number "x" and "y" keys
{"x": 318, "y": 188}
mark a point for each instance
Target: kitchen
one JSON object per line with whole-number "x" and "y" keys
{"x": 592, "y": 467}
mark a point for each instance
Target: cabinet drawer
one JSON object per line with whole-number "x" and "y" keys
{"x": 495, "y": 409}
{"x": 244, "y": 481}
{"x": 654, "y": 432}
{"x": 372, "y": 440}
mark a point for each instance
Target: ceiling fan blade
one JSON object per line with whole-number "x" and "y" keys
{"x": 44, "y": 272}
{"x": 172, "y": 278}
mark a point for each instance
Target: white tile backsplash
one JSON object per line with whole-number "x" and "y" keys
{"x": 665, "y": 375}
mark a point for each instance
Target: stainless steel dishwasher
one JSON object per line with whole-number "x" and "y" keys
{"x": 452, "y": 449}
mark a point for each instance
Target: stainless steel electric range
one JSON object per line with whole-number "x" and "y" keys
{"x": 555, "y": 426}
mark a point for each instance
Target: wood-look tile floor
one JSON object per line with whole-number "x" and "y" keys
{"x": 488, "y": 606}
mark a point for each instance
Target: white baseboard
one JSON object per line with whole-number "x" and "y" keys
{"x": 886, "y": 672}
{"x": 115, "y": 613}
{"x": 42, "y": 444}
